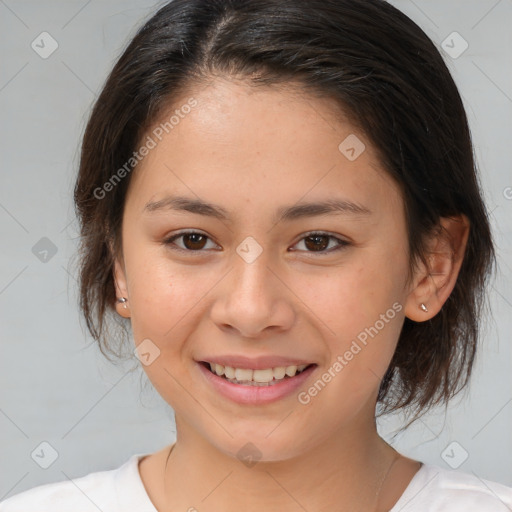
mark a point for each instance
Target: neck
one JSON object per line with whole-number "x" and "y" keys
{"x": 343, "y": 472}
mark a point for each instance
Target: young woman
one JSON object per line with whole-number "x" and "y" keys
{"x": 279, "y": 200}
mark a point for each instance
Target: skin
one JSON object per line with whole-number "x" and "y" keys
{"x": 252, "y": 151}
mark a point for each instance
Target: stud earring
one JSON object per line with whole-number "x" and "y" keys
{"x": 123, "y": 301}
{"x": 423, "y": 307}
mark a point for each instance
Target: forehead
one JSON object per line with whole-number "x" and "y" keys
{"x": 262, "y": 145}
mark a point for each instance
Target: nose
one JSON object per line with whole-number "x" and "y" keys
{"x": 253, "y": 299}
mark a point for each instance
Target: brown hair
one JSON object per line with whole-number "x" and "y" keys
{"x": 389, "y": 78}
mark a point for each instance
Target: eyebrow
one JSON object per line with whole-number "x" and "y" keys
{"x": 285, "y": 213}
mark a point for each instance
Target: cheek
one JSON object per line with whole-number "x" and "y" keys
{"x": 360, "y": 312}
{"x": 168, "y": 300}
{"x": 351, "y": 297}
{"x": 164, "y": 308}
{"x": 159, "y": 295}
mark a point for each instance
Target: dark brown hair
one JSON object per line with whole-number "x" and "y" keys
{"x": 387, "y": 76}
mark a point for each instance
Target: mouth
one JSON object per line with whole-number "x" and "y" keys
{"x": 259, "y": 377}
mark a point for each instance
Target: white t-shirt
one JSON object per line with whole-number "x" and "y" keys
{"x": 432, "y": 489}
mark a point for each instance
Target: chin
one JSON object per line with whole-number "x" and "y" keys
{"x": 258, "y": 448}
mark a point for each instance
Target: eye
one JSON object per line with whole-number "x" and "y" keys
{"x": 320, "y": 241}
{"x": 193, "y": 241}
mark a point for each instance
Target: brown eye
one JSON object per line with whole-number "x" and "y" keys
{"x": 317, "y": 242}
{"x": 194, "y": 241}
{"x": 320, "y": 242}
{"x": 191, "y": 241}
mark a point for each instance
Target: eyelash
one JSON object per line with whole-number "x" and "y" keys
{"x": 169, "y": 242}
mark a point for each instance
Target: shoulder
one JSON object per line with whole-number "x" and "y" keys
{"x": 92, "y": 492}
{"x": 438, "y": 489}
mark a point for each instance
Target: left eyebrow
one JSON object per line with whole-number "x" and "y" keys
{"x": 330, "y": 206}
{"x": 283, "y": 214}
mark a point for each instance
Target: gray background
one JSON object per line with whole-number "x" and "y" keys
{"x": 55, "y": 385}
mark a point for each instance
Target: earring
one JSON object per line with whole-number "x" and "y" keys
{"x": 423, "y": 307}
{"x": 123, "y": 301}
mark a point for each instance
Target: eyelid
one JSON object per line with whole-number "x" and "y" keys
{"x": 340, "y": 245}
{"x": 321, "y": 233}
{"x": 169, "y": 240}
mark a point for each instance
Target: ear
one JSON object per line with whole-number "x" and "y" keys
{"x": 433, "y": 285}
{"x": 120, "y": 282}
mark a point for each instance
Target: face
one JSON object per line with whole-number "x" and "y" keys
{"x": 258, "y": 275}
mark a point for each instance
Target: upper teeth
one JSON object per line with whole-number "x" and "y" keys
{"x": 267, "y": 375}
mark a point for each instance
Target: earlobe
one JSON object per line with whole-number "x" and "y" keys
{"x": 122, "y": 305}
{"x": 435, "y": 283}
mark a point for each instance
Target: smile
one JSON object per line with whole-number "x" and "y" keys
{"x": 248, "y": 376}
{"x": 255, "y": 386}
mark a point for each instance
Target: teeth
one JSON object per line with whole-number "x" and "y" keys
{"x": 262, "y": 375}
{"x": 242, "y": 374}
{"x": 259, "y": 376}
{"x": 229, "y": 372}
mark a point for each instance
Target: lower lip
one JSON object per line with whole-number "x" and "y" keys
{"x": 255, "y": 395}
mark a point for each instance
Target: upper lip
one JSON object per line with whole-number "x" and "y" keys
{"x": 254, "y": 363}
